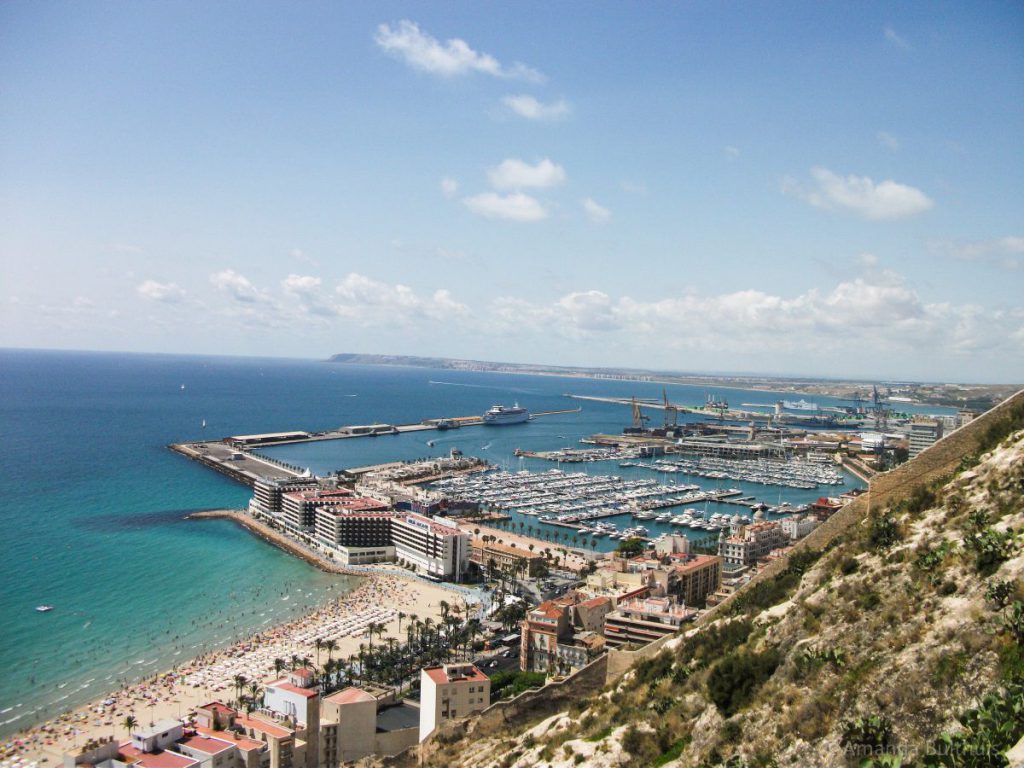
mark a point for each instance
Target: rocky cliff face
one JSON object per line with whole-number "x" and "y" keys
{"x": 900, "y": 640}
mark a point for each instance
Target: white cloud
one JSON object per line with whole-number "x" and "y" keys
{"x": 896, "y": 39}
{"x": 166, "y": 292}
{"x": 860, "y": 195}
{"x": 888, "y": 141}
{"x": 449, "y": 187}
{"x": 306, "y": 294}
{"x": 597, "y": 213}
{"x": 453, "y": 57}
{"x": 372, "y": 302}
{"x": 528, "y": 107}
{"x": 731, "y": 152}
{"x": 238, "y": 287}
{"x": 880, "y": 305}
{"x": 513, "y": 207}
{"x": 1005, "y": 252}
{"x": 516, "y": 174}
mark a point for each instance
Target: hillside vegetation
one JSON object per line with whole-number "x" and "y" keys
{"x": 899, "y": 643}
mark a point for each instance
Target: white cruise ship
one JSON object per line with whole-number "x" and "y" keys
{"x": 500, "y": 414}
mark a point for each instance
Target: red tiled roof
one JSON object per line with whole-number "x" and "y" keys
{"x": 440, "y": 676}
{"x": 284, "y": 685}
{"x": 205, "y": 744}
{"x": 239, "y": 741}
{"x": 161, "y": 759}
{"x": 218, "y": 707}
{"x": 263, "y": 727}
{"x": 594, "y": 602}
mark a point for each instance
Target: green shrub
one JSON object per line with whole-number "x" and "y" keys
{"x": 731, "y": 732}
{"x": 988, "y": 732}
{"x": 1000, "y": 593}
{"x": 765, "y": 594}
{"x": 1013, "y": 621}
{"x": 672, "y": 753}
{"x": 718, "y": 639}
{"x": 800, "y": 562}
{"x": 849, "y": 565}
{"x": 736, "y": 678}
{"x": 867, "y": 735}
{"x": 884, "y": 532}
{"x": 991, "y": 548}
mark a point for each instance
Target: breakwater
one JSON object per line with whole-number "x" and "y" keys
{"x": 278, "y": 539}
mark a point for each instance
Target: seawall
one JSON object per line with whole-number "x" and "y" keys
{"x": 278, "y": 539}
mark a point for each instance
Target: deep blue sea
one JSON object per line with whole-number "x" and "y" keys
{"x": 93, "y": 502}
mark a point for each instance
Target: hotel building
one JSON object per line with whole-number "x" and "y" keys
{"x": 924, "y": 433}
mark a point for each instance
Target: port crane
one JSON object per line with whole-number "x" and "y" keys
{"x": 639, "y": 418}
{"x": 669, "y": 407}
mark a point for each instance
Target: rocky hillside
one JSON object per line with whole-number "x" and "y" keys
{"x": 898, "y": 642}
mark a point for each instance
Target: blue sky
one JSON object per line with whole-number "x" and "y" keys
{"x": 830, "y": 189}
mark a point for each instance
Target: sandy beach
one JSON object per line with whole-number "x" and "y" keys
{"x": 175, "y": 693}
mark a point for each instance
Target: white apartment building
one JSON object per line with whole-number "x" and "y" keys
{"x": 450, "y": 692}
{"x": 435, "y": 546}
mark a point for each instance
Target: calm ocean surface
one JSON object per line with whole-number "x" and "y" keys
{"x": 93, "y": 502}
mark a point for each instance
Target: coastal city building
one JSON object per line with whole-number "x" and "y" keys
{"x": 363, "y": 721}
{"x": 267, "y": 493}
{"x": 563, "y": 634}
{"x": 356, "y": 529}
{"x": 450, "y": 692}
{"x": 924, "y": 433}
{"x": 294, "y": 703}
{"x": 356, "y": 537}
{"x": 436, "y": 546}
{"x": 750, "y": 543}
{"x": 503, "y": 556}
{"x": 639, "y": 621}
{"x": 797, "y": 526}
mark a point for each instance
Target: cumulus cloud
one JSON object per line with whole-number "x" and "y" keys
{"x": 238, "y": 287}
{"x": 881, "y": 306}
{"x": 372, "y": 302}
{"x": 595, "y": 212}
{"x": 409, "y": 43}
{"x": 165, "y": 292}
{"x": 1005, "y": 252}
{"x": 516, "y": 174}
{"x": 528, "y": 107}
{"x": 449, "y": 187}
{"x": 512, "y": 207}
{"x": 860, "y": 195}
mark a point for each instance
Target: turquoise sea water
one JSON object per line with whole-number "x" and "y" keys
{"x": 93, "y": 502}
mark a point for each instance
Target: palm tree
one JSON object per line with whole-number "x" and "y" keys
{"x": 331, "y": 646}
{"x": 306, "y": 662}
{"x": 295, "y": 661}
{"x": 240, "y": 681}
{"x": 318, "y": 644}
{"x": 130, "y": 723}
{"x": 401, "y": 616}
{"x": 279, "y": 664}
{"x": 255, "y": 694}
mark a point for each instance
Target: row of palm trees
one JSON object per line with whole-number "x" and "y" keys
{"x": 545, "y": 533}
